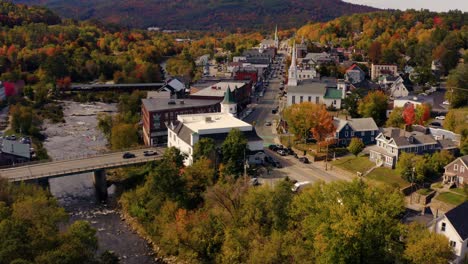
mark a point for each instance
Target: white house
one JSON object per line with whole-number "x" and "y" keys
{"x": 398, "y": 89}
{"x": 454, "y": 225}
{"x": 189, "y": 129}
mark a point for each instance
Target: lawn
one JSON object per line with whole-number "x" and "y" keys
{"x": 458, "y": 190}
{"x": 451, "y": 198}
{"x": 388, "y": 176}
{"x": 354, "y": 164}
{"x": 424, "y": 191}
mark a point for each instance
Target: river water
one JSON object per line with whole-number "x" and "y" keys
{"x": 77, "y": 195}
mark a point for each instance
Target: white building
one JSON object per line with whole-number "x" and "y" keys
{"x": 415, "y": 100}
{"x": 378, "y": 70}
{"x": 454, "y": 225}
{"x": 189, "y": 129}
{"x": 299, "y": 91}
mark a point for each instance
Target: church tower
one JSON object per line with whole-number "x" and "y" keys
{"x": 276, "y": 38}
{"x": 292, "y": 78}
{"x": 229, "y": 105}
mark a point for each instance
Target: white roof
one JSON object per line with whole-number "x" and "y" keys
{"x": 176, "y": 84}
{"x": 218, "y": 89}
{"x": 209, "y": 123}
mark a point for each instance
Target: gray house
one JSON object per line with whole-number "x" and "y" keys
{"x": 363, "y": 128}
{"x": 391, "y": 142}
{"x": 354, "y": 74}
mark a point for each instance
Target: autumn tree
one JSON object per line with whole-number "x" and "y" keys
{"x": 205, "y": 147}
{"x": 422, "y": 113}
{"x": 323, "y": 127}
{"x": 457, "y": 83}
{"x": 105, "y": 123}
{"x": 374, "y": 105}
{"x": 123, "y": 136}
{"x": 356, "y": 146}
{"x": 198, "y": 177}
{"x": 409, "y": 115}
{"x": 419, "y": 239}
{"x": 412, "y": 167}
{"x": 375, "y": 52}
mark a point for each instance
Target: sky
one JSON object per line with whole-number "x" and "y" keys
{"x": 434, "y": 5}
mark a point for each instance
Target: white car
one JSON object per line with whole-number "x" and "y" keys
{"x": 440, "y": 117}
{"x": 298, "y": 185}
{"x": 446, "y": 102}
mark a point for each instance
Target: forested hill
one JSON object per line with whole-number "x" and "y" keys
{"x": 203, "y": 14}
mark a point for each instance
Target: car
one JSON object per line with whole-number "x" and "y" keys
{"x": 12, "y": 137}
{"x": 304, "y": 160}
{"x": 435, "y": 124}
{"x": 290, "y": 151}
{"x": 298, "y": 185}
{"x": 282, "y": 152}
{"x": 149, "y": 153}
{"x": 440, "y": 117}
{"x": 277, "y": 165}
{"x": 267, "y": 123}
{"x": 446, "y": 102}
{"x": 128, "y": 155}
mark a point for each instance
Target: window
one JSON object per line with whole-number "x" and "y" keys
{"x": 442, "y": 228}
{"x": 293, "y": 99}
{"x": 372, "y": 132}
{"x": 352, "y": 133}
{"x": 301, "y": 99}
{"x": 317, "y": 100}
{"x": 310, "y": 99}
{"x": 334, "y": 102}
{"x": 362, "y": 133}
{"x": 453, "y": 243}
{"x": 455, "y": 167}
{"x": 346, "y": 133}
{"x": 372, "y": 138}
{"x": 462, "y": 169}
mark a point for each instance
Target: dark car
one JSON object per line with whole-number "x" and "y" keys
{"x": 304, "y": 160}
{"x": 282, "y": 152}
{"x": 435, "y": 124}
{"x": 149, "y": 153}
{"x": 128, "y": 155}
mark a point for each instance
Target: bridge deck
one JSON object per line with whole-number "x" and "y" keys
{"x": 76, "y": 166}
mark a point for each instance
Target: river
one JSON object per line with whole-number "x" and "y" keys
{"x": 76, "y": 194}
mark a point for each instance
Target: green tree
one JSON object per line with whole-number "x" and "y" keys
{"x": 396, "y": 118}
{"x": 205, "y": 147}
{"x": 105, "y": 124}
{"x": 412, "y": 167}
{"x": 356, "y": 146}
{"x": 351, "y": 103}
{"x": 374, "y": 105}
{"x": 457, "y": 83}
{"x": 198, "y": 177}
{"x": 234, "y": 152}
{"x": 420, "y": 239}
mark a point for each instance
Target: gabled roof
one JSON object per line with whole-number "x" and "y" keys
{"x": 464, "y": 160}
{"x": 354, "y": 67}
{"x": 403, "y": 138}
{"x": 458, "y": 217}
{"x": 357, "y": 124}
{"x": 228, "y": 97}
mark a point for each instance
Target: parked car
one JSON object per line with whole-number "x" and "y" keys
{"x": 267, "y": 123}
{"x": 440, "y": 117}
{"x": 149, "y": 153}
{"x": 128, "y": 155}
{"x": 282, "y": 152}
{"x": 298, "y": 185}
{"x": 304, "y": 160}
{"x": 446, "y": 102}
{"x": 290, "y": 151}
{"x": 435, "y": 124}
{"x": 277, "y": 165}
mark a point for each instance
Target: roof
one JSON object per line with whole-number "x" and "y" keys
{"x": 419, "y": 99}
{"x": 159, "y": 104}
{"x": 228, "y": 97}
{"x": 354, "y": 67}
{"x": 402, "y": 137}
{"x": 209, "y": 123}
{"x": 464, "y": 159}
{"x": 183, "y": 132}
{"x": 458, "y": 218}
{"x": 357, "y": 124}
{"x": 218, "y": 89}
{"x": 447, "y": 144}
{"x": 333, "y": 93}
{"x": 309, "y": 87}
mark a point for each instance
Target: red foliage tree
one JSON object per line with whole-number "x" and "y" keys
{"x": 409, "y": 115}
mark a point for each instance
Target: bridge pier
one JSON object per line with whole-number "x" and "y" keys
{"x": 100, "y": 183}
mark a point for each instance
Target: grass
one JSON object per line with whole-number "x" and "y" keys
{"x": 387, "y": 176}
{"x": 451, "y": 198}
{"x": 458, "y": 190}
{"x": 354, "y": 164}
{"x": 424, "y": 191}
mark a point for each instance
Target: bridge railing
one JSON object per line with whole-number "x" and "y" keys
{"x": 86, "y": 169}
{"x": 74, "y": 157}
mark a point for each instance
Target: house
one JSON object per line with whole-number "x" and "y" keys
{"x": 156, "y": 112}
{"x": 456, "y": 172}
{"x": 454, "y": 226}
{"x": 378, "y": 70}
{"x": 363, "y": 128}
{"x": 398, "y": 89}
{"x": 175, "y": 86}
{"x": 354, "y": 74}
{"x": 415, "y": 100}
{"x": 187, "y": 130}
{"x": 391, "y": 142}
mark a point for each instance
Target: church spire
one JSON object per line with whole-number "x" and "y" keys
{"x": 292, "y": 78}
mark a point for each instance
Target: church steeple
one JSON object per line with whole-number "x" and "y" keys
{"x": 292, "y": 78}
{"x": 229, "y": 105}
{"x": 276, "y": 37}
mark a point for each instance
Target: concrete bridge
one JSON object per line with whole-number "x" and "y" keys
{"x": 41, "y": 172}
{"x": 123, "y": 87}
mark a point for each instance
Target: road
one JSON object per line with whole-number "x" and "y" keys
{"x": 75, "y": 166}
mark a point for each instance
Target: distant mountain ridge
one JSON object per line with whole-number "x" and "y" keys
{"x": 203, "y": 14}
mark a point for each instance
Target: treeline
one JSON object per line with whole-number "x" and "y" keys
{"x": 15, "y": 15}
{"x": 401, "y": 37}
{"x": 204, "y": 217}
{"x": 29, "y": 230}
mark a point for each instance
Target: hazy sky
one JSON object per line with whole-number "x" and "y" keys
{"x": 434, "y": 5}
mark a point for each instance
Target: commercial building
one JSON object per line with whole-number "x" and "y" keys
{"x": 241, "y": 91}
{"x": 378, "y": 70}
{"x": 187, "y": 130}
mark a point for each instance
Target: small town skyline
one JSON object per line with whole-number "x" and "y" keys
{"x": 433, "y": 5}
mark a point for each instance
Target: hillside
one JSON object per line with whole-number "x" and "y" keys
{"x": 203, "y": 14}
